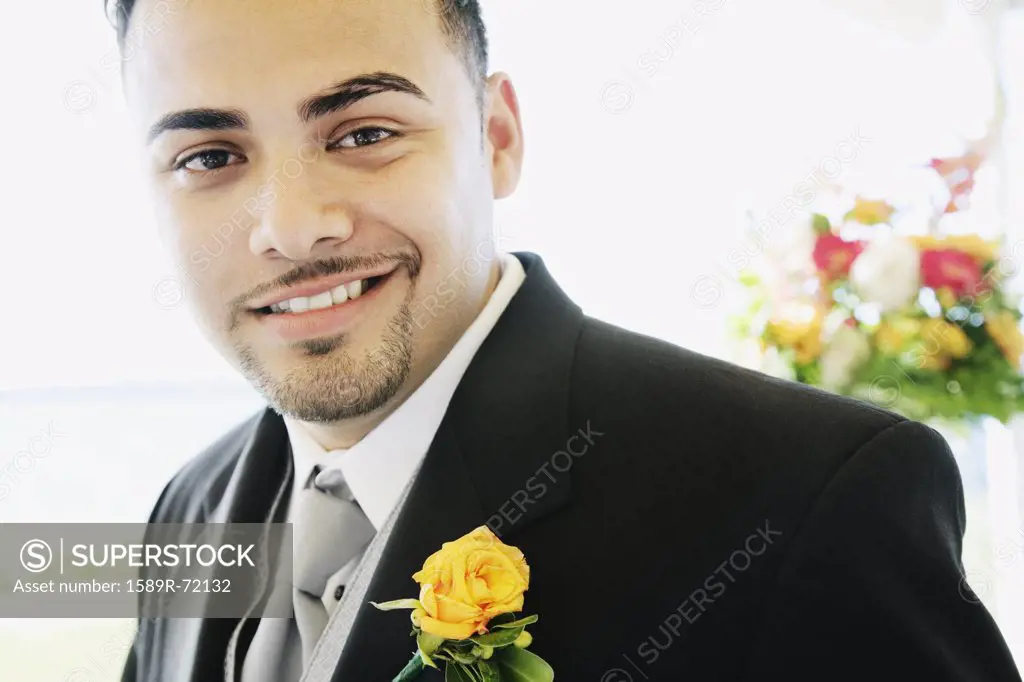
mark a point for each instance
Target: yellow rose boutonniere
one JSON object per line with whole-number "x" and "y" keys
{"x": 470, "y": 590}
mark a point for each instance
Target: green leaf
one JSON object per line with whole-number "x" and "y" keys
{"x": 427, "y": 645}
{"x": 520, "y": 665}
{"x": 428, "y": 642}
{"x": 397, "y": 604}
{"x": 499, "y": 638}
{"x": 521, "y": 623}
{"x": 820, "y": 224}
{"x": 454, "y": 672}
{"x": 489, "y": 672}
{"x": 466, "y": 657}
{"x": 480, "y": 671}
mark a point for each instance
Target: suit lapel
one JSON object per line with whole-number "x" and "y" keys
{"x": 506, "y": 419}
{"x": 441, "y": 505}
{"x": 263, "y": 467}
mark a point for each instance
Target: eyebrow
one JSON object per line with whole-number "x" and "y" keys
{"x": 335, "y": 98}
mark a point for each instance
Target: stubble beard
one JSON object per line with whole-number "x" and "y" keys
{"x": 333, "y": 385}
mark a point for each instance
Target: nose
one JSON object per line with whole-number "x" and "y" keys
{"x": 298, "y": 222}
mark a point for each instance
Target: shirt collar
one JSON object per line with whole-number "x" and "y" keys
{"x": 378, "y": 467}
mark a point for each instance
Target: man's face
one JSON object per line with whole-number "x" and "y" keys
{"x": 333, "y": 246}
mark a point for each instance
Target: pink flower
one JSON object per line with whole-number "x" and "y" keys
{"x": 958, "y": 174}
{"x": 834, "y": 255}
{"x": 948, "y": 268}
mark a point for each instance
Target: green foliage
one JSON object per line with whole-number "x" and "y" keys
{"x": 981, "y": 384}
{"x": 497, "y": 656}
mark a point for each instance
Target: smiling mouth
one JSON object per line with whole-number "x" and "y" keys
{"x": 328, "y": 298}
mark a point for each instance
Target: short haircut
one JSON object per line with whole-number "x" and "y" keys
{"x": 461, "y": 23}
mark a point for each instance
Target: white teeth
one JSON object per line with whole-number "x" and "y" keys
{"x": 321, "y": 300}
{"x": 339, "y": 293}
{"x": 325, "y": 299}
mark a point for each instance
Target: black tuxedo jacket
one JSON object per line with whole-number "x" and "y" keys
{"x": 683, "y": 518}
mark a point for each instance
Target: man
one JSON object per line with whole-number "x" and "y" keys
{"x": 324, "y": 172}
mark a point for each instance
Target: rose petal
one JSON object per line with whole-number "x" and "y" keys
{"x": 432, "y": 626}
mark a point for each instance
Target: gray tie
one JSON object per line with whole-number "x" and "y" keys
{"x": 330, "y": 534}
{"x": 339, "y": 626}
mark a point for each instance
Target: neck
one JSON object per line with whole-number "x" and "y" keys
{"x": 348, "y": 432}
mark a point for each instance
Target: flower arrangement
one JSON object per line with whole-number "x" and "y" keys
{"x": 921, "y": 324}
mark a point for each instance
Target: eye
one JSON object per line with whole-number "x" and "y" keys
{"x": 365, "y": 137}
{"x": 206, "y": 161}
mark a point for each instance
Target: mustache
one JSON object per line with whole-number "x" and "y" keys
{"x": 321, "y": 268}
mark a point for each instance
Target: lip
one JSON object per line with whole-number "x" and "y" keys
{"x": 325, "y": 321}
{"x": 316, "y": 286}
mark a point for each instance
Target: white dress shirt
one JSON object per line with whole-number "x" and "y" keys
{"x": 378, "y": 467}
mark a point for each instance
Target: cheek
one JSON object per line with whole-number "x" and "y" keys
{"x": 207, "y": 243}
{"x": 197, "y": 221}
{"x": 442, "y": 205}
{"x": 416, "y": 197}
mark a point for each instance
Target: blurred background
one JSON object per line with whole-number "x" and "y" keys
{"x": 756, "y": 164}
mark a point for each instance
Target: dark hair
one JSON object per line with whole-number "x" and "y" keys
{"x": 461, "y": 23}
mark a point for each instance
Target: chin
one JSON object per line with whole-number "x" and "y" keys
{"x": 329, "y": 379}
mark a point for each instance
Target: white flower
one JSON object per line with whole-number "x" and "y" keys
{"x": 848, "y": 349}
{"x": 774, "y": 365}
{"x": 791, "y": 246}
{"x": 888, "y": 273}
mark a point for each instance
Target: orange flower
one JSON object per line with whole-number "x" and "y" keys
{"x": 803, "y": 337}
{"x": 949, "y": 338}
{"x": 1005, "y": 331}
{"x": 893, "y": 335}
{"x": 870, "y": 212}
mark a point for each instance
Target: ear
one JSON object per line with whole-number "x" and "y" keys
{"x": 504, "y": 135}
